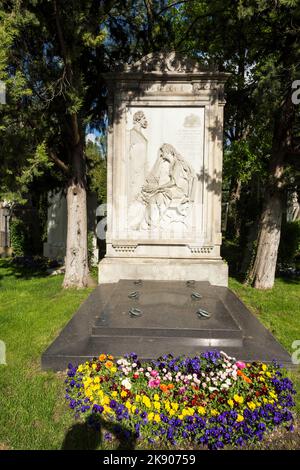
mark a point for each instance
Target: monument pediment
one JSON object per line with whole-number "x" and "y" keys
{"x": 167, "y": 62}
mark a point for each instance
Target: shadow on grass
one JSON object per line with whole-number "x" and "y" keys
{"x": 82, "y": 436}
{"x": 25, "y": 270}
{"x": 290, "y": 280}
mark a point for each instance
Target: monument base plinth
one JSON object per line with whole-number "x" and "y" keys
{"x": 112, "y": 269}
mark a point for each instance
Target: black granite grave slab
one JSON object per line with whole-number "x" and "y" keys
{"x": 168, "y": 324}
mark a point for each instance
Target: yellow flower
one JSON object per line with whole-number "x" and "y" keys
{"x": 190, "y": 411}
{"x": 106, "y": 409}
{"x": 264, "y": 367}
{"x": 114, "y": 369}
{"x": 268, "y": 374}
{"x": 133, "y": 408}
{"x": 262, "y": 379}
{"x": 123, "y": 394}
{"x": 104, "y": 401}
{"x": 150, "y": 416}
{"x": 80, "y": 368}
{"x": 174, "y": 406}
{"x": 251, "y": 405}
{"x": 114, "y": 394}
{"x": 156, "y": 397}
{"x": 230, "y": 403}
{"x": 167, "y": 405}
{"x": 94, "y": 366}
{"x": 97, "y": 380}
{"x": 156, "y": 405}
{"x": 156, "y": 418}
{"x": 180, "y": 416}
{"x": 201, "y": 410}
{"x": 171, "y": 412}
{"x": 128, "y": 405}
{"x": 138, "y": 398}
{"x": 273, "y": 395}
{"x": 238, "y": 399}
{"x": 240, "y": 418}
{"x": 146, "y": 401}
{"x": 213, "y": 412}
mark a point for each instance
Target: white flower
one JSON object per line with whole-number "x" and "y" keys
{"x": 126, "y": 383}
{"x": 164, "y": 371}
{"x": 204, "y": 385}
{"x": 134, "y": 365}
{"x": 149, "y": 369}
{"x": 147, "y": 374}
{"x": 189, "y": 377}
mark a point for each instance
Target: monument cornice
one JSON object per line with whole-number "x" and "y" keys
{"x": 163, "y": 66}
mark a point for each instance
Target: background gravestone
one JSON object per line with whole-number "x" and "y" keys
{"x": 164, "y": 172}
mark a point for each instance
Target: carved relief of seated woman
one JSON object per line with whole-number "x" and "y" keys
{"x": 168, "y": 190}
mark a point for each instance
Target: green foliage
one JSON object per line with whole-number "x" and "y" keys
{"x": 90, "y": 248}
{"x": 97, "y": 169}
{"x": 289, "y": 246}
{"x": 19, "y": 237}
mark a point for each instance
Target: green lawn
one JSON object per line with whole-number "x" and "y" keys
{"x": 33, "y": 309}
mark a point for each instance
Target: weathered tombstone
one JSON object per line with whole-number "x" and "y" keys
{"x": 164, "y": 172}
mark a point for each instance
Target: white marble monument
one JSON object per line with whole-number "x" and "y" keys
{"x": 164, "y": 172}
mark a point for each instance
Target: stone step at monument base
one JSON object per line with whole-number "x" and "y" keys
{"x": 151, "y": 347}
{"x": 148, "y": 346}
{"x": 193, "y": 337}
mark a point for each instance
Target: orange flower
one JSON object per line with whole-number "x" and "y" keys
{"x": 244, "y": 377}
{"x": 102, "y": 357}
{"x": 170, "y": 386}
{"x": 110, "y": 357}
{"x": 163, "y": 387}
{"x": 109, "y": 364}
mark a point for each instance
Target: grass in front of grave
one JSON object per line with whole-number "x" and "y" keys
{"x": 33, "y": 309}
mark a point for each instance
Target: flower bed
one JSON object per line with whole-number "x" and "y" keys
{"x": 210, "y": 400}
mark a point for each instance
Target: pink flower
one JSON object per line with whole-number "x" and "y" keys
{"x": 240, "y": 364}
{"x": 153, "y": 383}
{"x": 154, "y": 373}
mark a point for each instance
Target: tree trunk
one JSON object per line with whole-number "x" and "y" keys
{"x": 262, "y": 275}
{"x": 76, "y": 261}
{"x": 263, "y": 272}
